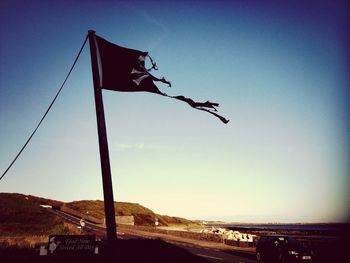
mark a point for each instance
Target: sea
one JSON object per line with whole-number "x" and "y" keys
{"x": 326, "y": 228}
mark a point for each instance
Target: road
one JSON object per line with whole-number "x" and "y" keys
{"x": 215, "y": 255}
{"x": 211, "y": 254}
{"x": 98, "y": 230}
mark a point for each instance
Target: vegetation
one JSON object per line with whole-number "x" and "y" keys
{"x": 91, "y": 208}
{"x": 174, "y": 220}
{"x": 22, "y": 215}
{"x": 142, "y": 215}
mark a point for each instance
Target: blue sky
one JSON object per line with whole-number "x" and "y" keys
{"x": 279, "y": 72}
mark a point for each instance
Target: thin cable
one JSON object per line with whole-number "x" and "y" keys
{"x": 47, "y": 111}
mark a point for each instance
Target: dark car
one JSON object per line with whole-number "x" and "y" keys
{"x": 278, "y": 248}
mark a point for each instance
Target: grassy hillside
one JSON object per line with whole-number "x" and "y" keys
{"x": 142, "y": 215}
{"x": 22, "y": 215}
{"x": 173, "y": 220}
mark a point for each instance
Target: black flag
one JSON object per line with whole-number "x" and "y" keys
{"x": 123, "y": 69}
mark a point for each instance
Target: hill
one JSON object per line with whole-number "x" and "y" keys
{"x": 22, "y": 215}
{"x": 142, "y": 215}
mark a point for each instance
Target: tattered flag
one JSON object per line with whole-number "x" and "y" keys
{"x": 123, "y": 69}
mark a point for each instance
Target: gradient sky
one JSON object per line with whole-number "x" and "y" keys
{"x": 279, "y": 72}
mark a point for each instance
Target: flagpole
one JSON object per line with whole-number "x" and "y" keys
{"x": 102, "y": 138}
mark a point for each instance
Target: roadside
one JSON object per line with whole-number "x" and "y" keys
{"x": 195, "y": 242}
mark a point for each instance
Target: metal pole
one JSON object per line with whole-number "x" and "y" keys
{"x": 102, "y": 139}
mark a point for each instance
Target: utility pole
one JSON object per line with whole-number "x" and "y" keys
{"x": 103, "y": 144}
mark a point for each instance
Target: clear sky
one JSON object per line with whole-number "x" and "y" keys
{"x": 279, "y": 72}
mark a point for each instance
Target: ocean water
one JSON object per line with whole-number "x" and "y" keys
{"x": 335, "y": 228}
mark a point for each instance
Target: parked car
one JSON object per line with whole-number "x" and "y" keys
{"x": 281, "y": 249}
